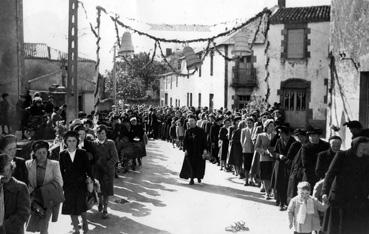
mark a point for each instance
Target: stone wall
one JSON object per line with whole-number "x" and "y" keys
{"x": 349, "y": 35}
{"x": 11, "y": 49}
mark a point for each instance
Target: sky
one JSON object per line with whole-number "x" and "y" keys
{"x": 46, "y": 21}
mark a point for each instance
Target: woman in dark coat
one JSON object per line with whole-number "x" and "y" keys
{"x": 194, "y": 145}
{"x": 136, "y": 137}
{"x": 223, "y": 142}
{"x": 235, "y": 152}
{"x": 346, "y": 187}
{"x": 106, "y": 156}
{"x": 294, "y": 164}
{"x": 75, "y": 168}
{"x": 280, "y": 173}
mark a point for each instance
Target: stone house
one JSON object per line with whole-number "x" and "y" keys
{"x": 45, "y": 73}
{"x": 349, "y": 74}
{"x": 289, "y": 66}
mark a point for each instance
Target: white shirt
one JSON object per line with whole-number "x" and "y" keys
{"x": 81, "y": 145}
{"x": 72, "y": 155}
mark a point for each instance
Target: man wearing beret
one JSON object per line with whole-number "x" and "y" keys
{"x": 310, "y": 153}
{"x": 355, "y": 127}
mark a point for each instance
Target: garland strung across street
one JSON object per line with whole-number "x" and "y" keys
{"x": 266, "y": 52}
{"x": 210, "y": 40}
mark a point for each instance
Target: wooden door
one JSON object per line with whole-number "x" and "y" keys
{"x": 294, "y": 102}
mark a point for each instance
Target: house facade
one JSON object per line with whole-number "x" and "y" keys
{"x": 349, "y": 74}
{"x": 288, "y": 66}
{"x": 46, "y": 73}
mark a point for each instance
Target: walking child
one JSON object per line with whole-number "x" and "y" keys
{"x": 303, "y": 210}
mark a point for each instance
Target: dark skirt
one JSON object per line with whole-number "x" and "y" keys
{"x": 105, "y": 175}
{"x": 235, "y": 155}
{"x": 223, "y": 151}
{"x": 247, "y": 160}
{"x": 266, "y": 169}
{"x": 75, "y": 199}
{"x": 348, "y": 220}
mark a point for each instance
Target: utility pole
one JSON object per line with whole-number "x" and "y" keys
{"x": 115, "y": 79}
{"x": 72, "y": 79}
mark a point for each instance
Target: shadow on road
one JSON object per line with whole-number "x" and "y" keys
{"x": 142, "y": 187}
{"x": 119, "y": 225}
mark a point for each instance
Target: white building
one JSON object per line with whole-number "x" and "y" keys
{"x": 290, "y": 66}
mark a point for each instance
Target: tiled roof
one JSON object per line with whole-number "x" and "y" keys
{"x": 301, "y": 15}
{"x": 180, "y": 27}
{"x": 41, "y": 50}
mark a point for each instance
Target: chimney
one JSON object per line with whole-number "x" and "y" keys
{"x": 281, "y": 3}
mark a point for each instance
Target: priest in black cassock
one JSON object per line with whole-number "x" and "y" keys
{"x": 195, "y": 146}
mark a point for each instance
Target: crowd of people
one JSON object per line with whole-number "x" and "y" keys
{"x": 322, "y": 188}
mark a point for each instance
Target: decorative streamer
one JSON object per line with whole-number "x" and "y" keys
{"x": 234, "y": 29}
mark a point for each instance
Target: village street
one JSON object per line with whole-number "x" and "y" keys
{"x": 160, "y": 202}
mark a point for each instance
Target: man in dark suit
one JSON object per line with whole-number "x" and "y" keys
{"x": 309, "y": 154}
{"x": 325, "y": 158}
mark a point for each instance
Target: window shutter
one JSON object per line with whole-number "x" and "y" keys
{"x": 295, "y": 43}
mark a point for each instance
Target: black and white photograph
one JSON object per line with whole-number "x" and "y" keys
{"x": 184, "y": 116}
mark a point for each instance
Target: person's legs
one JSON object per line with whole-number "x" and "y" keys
{"x": 105, "y": 206}
{"x": 44, "y": 222}
{"x": 75, "y": 223}
{"x": 84, "y": 222}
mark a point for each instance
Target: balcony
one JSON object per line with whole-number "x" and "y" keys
{"x": 243, "y": 77}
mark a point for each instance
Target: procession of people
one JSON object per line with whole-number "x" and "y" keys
{"x": 322, "y": 188}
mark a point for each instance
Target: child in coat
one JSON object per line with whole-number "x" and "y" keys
{"x": 303, "y": 210}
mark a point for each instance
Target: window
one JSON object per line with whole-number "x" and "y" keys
{"x": 166, "y": 99}
{"x": 190, "y": 99}
{"x": 295, "y": 43}
{"x": 171, "y": 82}
{"x": 179, "y": 102}
{"x": 199, "y": 99}
{"x": 294, "y": 99}
{"x": 170, "y": 101}
{"x": 244, "y": 98}
{"x": 176, "y": 81}
{"x": 211, "y": 62}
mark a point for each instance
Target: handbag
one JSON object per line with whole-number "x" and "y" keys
{"x": 91, "y": 200}
{"x": 206, "y": 156}
{"x": 37, "y": 209}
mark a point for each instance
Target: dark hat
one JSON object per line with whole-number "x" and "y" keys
{"x": 312, "y": 130}
{"x": 40, "y": 144}
{"x": 79, "y": 128}
{"x": 335, "y": 138}
{"x": 237, "y": 118}
{"x": 220, "y": 118}
{"x": 284, "y": 128}
{"x": 299, "y": 131}
{"x": 266, "y": 113}
{"x": 228, "y": 113}
{"x": 353, "y": 124}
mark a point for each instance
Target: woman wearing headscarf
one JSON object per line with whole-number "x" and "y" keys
{"x": 14, "y": 199}
{"x": 280, "y": 175}
{"x": 8, "y": 146}
{"x": 346, "y": 187}
{"x": 263, "y": 147}
{"x": 75, "y": 169}
{"x": 43, "y": 174}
